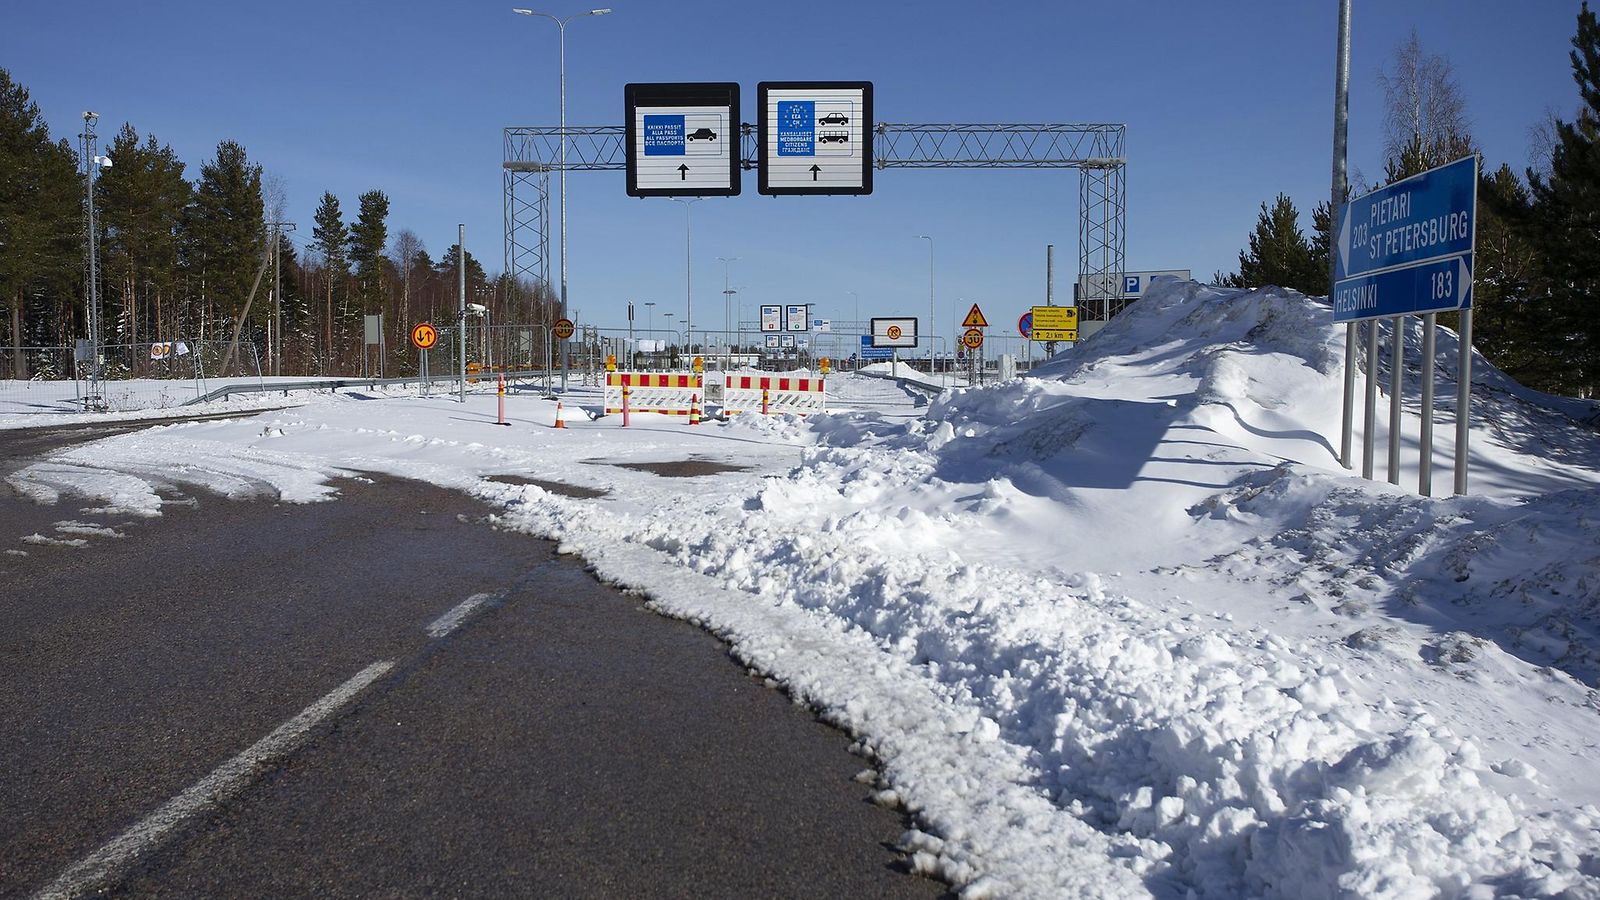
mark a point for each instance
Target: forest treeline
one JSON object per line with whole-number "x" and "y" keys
{"x": 183, "y": 259}
{"x": 1536, "y": 280}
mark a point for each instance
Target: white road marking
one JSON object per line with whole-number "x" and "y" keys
{"x": 101, "y": 869}
{"x": 452, "y": 620}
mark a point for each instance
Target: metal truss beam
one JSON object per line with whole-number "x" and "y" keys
{"x": 1097, "y": 151}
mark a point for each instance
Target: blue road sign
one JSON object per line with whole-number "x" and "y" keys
{"x": 1443, "y": 284}
{"x": 1426, "y": 225}
{"x": 663, "y": 136}
{"x": 797, "y": 128}
{"x": 870, "y": 353}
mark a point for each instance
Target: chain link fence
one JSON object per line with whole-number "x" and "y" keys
{"x": 154, "y": 375}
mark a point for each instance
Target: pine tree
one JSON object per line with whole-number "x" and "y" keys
{"x": 1511, "y": 300}
{"x": 41, "y": 229}
{"x": 368, "y": 236}
{"x": 140, "y": 203}
{"x": 1321, "y": 271}
{"x": 1566, "y": 218}
{"x": 1279, "y": 254}
{"x": 227, "y": 233}
{"x": 331, "y": 240}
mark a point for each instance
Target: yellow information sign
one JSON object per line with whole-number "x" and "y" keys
{"x": 1055, "y": 323}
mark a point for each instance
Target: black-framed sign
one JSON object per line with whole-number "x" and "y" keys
{"x": 682, "y": 140}
{"x": 814, "y": 137}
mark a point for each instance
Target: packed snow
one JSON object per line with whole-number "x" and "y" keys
{"x": 1120, "y": 628}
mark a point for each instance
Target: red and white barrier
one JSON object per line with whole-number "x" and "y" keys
{"x": 773, "y": 394}
{"x": 671, "y": 394}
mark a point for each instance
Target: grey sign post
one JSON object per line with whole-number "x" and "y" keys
{"x": 1407, "y": 249}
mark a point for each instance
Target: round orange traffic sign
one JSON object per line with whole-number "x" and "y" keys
{"x": 973, "y": 339}
{"x": 424, "y": 336}
{"x": 895, "y": 332}
{"x": 564, "y": 328}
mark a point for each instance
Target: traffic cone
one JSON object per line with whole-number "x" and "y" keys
{"x": 694, "y": 409}
{"x": 561, "y": 419}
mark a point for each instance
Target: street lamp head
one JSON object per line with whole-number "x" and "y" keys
{"x": 522, "y": 12}
{"x": 600, "y": 12}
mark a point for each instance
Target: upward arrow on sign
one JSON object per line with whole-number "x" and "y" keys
{"x": 975, "y": 318}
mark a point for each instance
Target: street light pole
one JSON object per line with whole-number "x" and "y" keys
{"x": 727, "y": 294}
{"x": 932, "y": 309}
{"x": 688, "y": 294}
{"x": 561, "y": 24}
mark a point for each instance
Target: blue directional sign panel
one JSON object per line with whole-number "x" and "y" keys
{"x": 1443, "y": 284}
{"x": 870, "y": 353}
{"x": 1407, "y": 248}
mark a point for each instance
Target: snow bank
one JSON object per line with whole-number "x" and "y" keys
{"x": 1122, "y": 628}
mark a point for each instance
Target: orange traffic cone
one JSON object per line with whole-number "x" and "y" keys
{"x": 561, "y": 419}
{"x": 694, "y": 409}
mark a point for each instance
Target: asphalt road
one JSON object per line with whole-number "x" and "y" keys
{"x": 382, "y": 695}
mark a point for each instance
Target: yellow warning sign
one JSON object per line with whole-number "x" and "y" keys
{"x": 975, "y": 318}
{"x": 1055, "y": 323}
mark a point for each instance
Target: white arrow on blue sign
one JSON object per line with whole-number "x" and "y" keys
{"x": 1407, "y": 248}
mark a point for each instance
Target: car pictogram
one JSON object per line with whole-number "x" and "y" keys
{"x": 834, "y": 118}
{"x": 702, "y": 134}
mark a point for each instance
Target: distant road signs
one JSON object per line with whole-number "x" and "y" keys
{"x": 797, "y": 317}
{"x": 1133, "y": 284}
{"x": 972, "y": 339}
{"x": 563, "y": 329}
{"x": 894, "y": 332}
{"x": 772, "y": 318}
{"x": 974, "y": 318}
{"x": 1407, "y": 248}
{"x": 1054, "y": 323}
{"x": 1025, "y": 324}
{"x": 870, "y": 353}
{"x": 814, "y": 137}
{"x": 682, "y": 140}
{"x": 424, "y": 336}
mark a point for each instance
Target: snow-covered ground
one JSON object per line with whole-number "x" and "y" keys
{"x": 1122, "y": 628}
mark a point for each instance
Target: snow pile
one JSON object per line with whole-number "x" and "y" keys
{"x": 1123, "y": 628}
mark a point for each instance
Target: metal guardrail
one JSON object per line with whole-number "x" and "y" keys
{"x": 333, "y": 384}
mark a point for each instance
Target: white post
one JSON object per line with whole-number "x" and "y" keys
{"x": 1463, "y": 400}
{"x": 1397, "y": 337}
{"x": 1425, "y": 478}
{"x": 461, "y": 314}
{"x": 1368, "y": 438}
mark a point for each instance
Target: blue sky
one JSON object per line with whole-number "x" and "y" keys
{"x": 1227, "y": 103}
